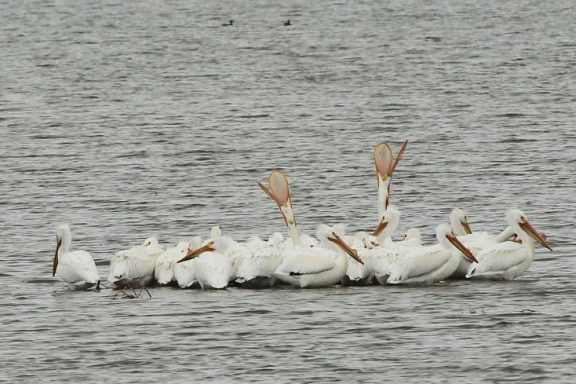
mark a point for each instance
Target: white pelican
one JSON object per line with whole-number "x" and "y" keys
{"x": 507, "y": 260}
{"x": 378, "y": 259}
{"x": 320, "y": 266}
{"x": 279, "y": 191}
{"x": 77, "y": 268}
{"x": 165, "y": 263}
{"x": 212, "y": 267}
{"x": 428, "y": 265}
{"x": 238, "y": 253}
{"x": 412, "y": 238}
{"x": 185, "y": 273}
{"x": 305, "y": 264}
{"x": 474, "y": 241}
{"x": 391, "y": 253}
{"x": 385, "y": 164}
{"x": 134, "y": 267}
{"x": 356, "y": 273}
{"x": 256, "y": 271}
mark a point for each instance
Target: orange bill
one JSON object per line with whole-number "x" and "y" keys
{"x": 533, "y": 233}
{"x": 461, "y": 247}
{"x": 55, "y": 259}
{"x": 381, "y": 226}
{"x": 345, "y": 247}
{"x": 466, "y": 226}
{"x": 399, "y": 156}
{"x": 192, "y": 253}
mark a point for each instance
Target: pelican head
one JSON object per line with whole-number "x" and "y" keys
{"x": 192, "y": 253}
{"x": 279, "y": 191}
{"x": 275, "y": 239}
{"x": 63, "y": 239}
{"x": 384, "y": 160}
{"x": 368, "y": 241}
{"x": 389, "y": 221}
{"x": 327, "y": 233}
{"x": 413, "y": 234}
{"x": 459, "y": 222}
{"x": 446, "y": 237}
{"x": 219, "y": 244}
{"x": 215, "y": 231}
{"x": 150, "y": 242}
{"x": 517, "y": 219}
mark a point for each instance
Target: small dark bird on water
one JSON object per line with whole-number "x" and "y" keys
{"x": 287, "y": 23}
{"x": 231, "y": 22}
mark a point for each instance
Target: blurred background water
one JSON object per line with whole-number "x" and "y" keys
{"x": 135, "y": 118}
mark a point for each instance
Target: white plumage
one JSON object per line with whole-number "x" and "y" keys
{"x": 256, "y": 271}
{"x": 134, "y": 267}
{"x": 474, "y": 241}
{"x": 166, "y": 262}
{"x": 318, "y": 266}
{"x": 185, "y": 272}
{"x": 378, "y": 259}
{"x": 77, "y": 268}
{"x": 427, "y": 265}
{"x": 507, "y": 260}
{"x": 211, "y": 266}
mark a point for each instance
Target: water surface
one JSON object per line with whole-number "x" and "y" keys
{"x": 133, "y": 118}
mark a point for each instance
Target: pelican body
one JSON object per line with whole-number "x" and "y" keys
{"x": 428, "y": 265}
{"x": 474, "y": 241}
{"x": 320, "y": 266}
{"x": 166, "y": 262}
{"x": 212, "y": 267}
{"x": 134, "y": 268}
{"x": 257, "y": 270}
{"x": 508, "y": 260}
{"x": 77, "y": 268}
{"x": 378, "y": 259}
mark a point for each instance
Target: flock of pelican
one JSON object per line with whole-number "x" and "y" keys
{"x": 303, "y": 261}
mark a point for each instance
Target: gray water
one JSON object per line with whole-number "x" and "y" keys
{"x": 128, "y": 119}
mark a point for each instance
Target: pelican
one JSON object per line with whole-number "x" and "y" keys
{"x": 356, "y": 273}
{"x": 320, "y": 266}
{"x": 378, "y": 259}
{"x": 306, "y": 264}
{"x": 428, "y": 265}
{"x": 461, "y": 227}
{"x": 279, "y": 191}
{"x": 474, "y": 241}
{"x": 507, "y": 260}
{"x": 134, "y": 267}
{"x": 385, "y": 164}
{"x": 212, "y": 267}
{"x": 185, "y": 273}
{"x": 392, "y": 252}
{"x": 256, "y": 271}
{"x": 412, "y": 238}
{"x": 77, "y": 268}
{"x": 238, "y": 253}
{"x": 164, "y": 269}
